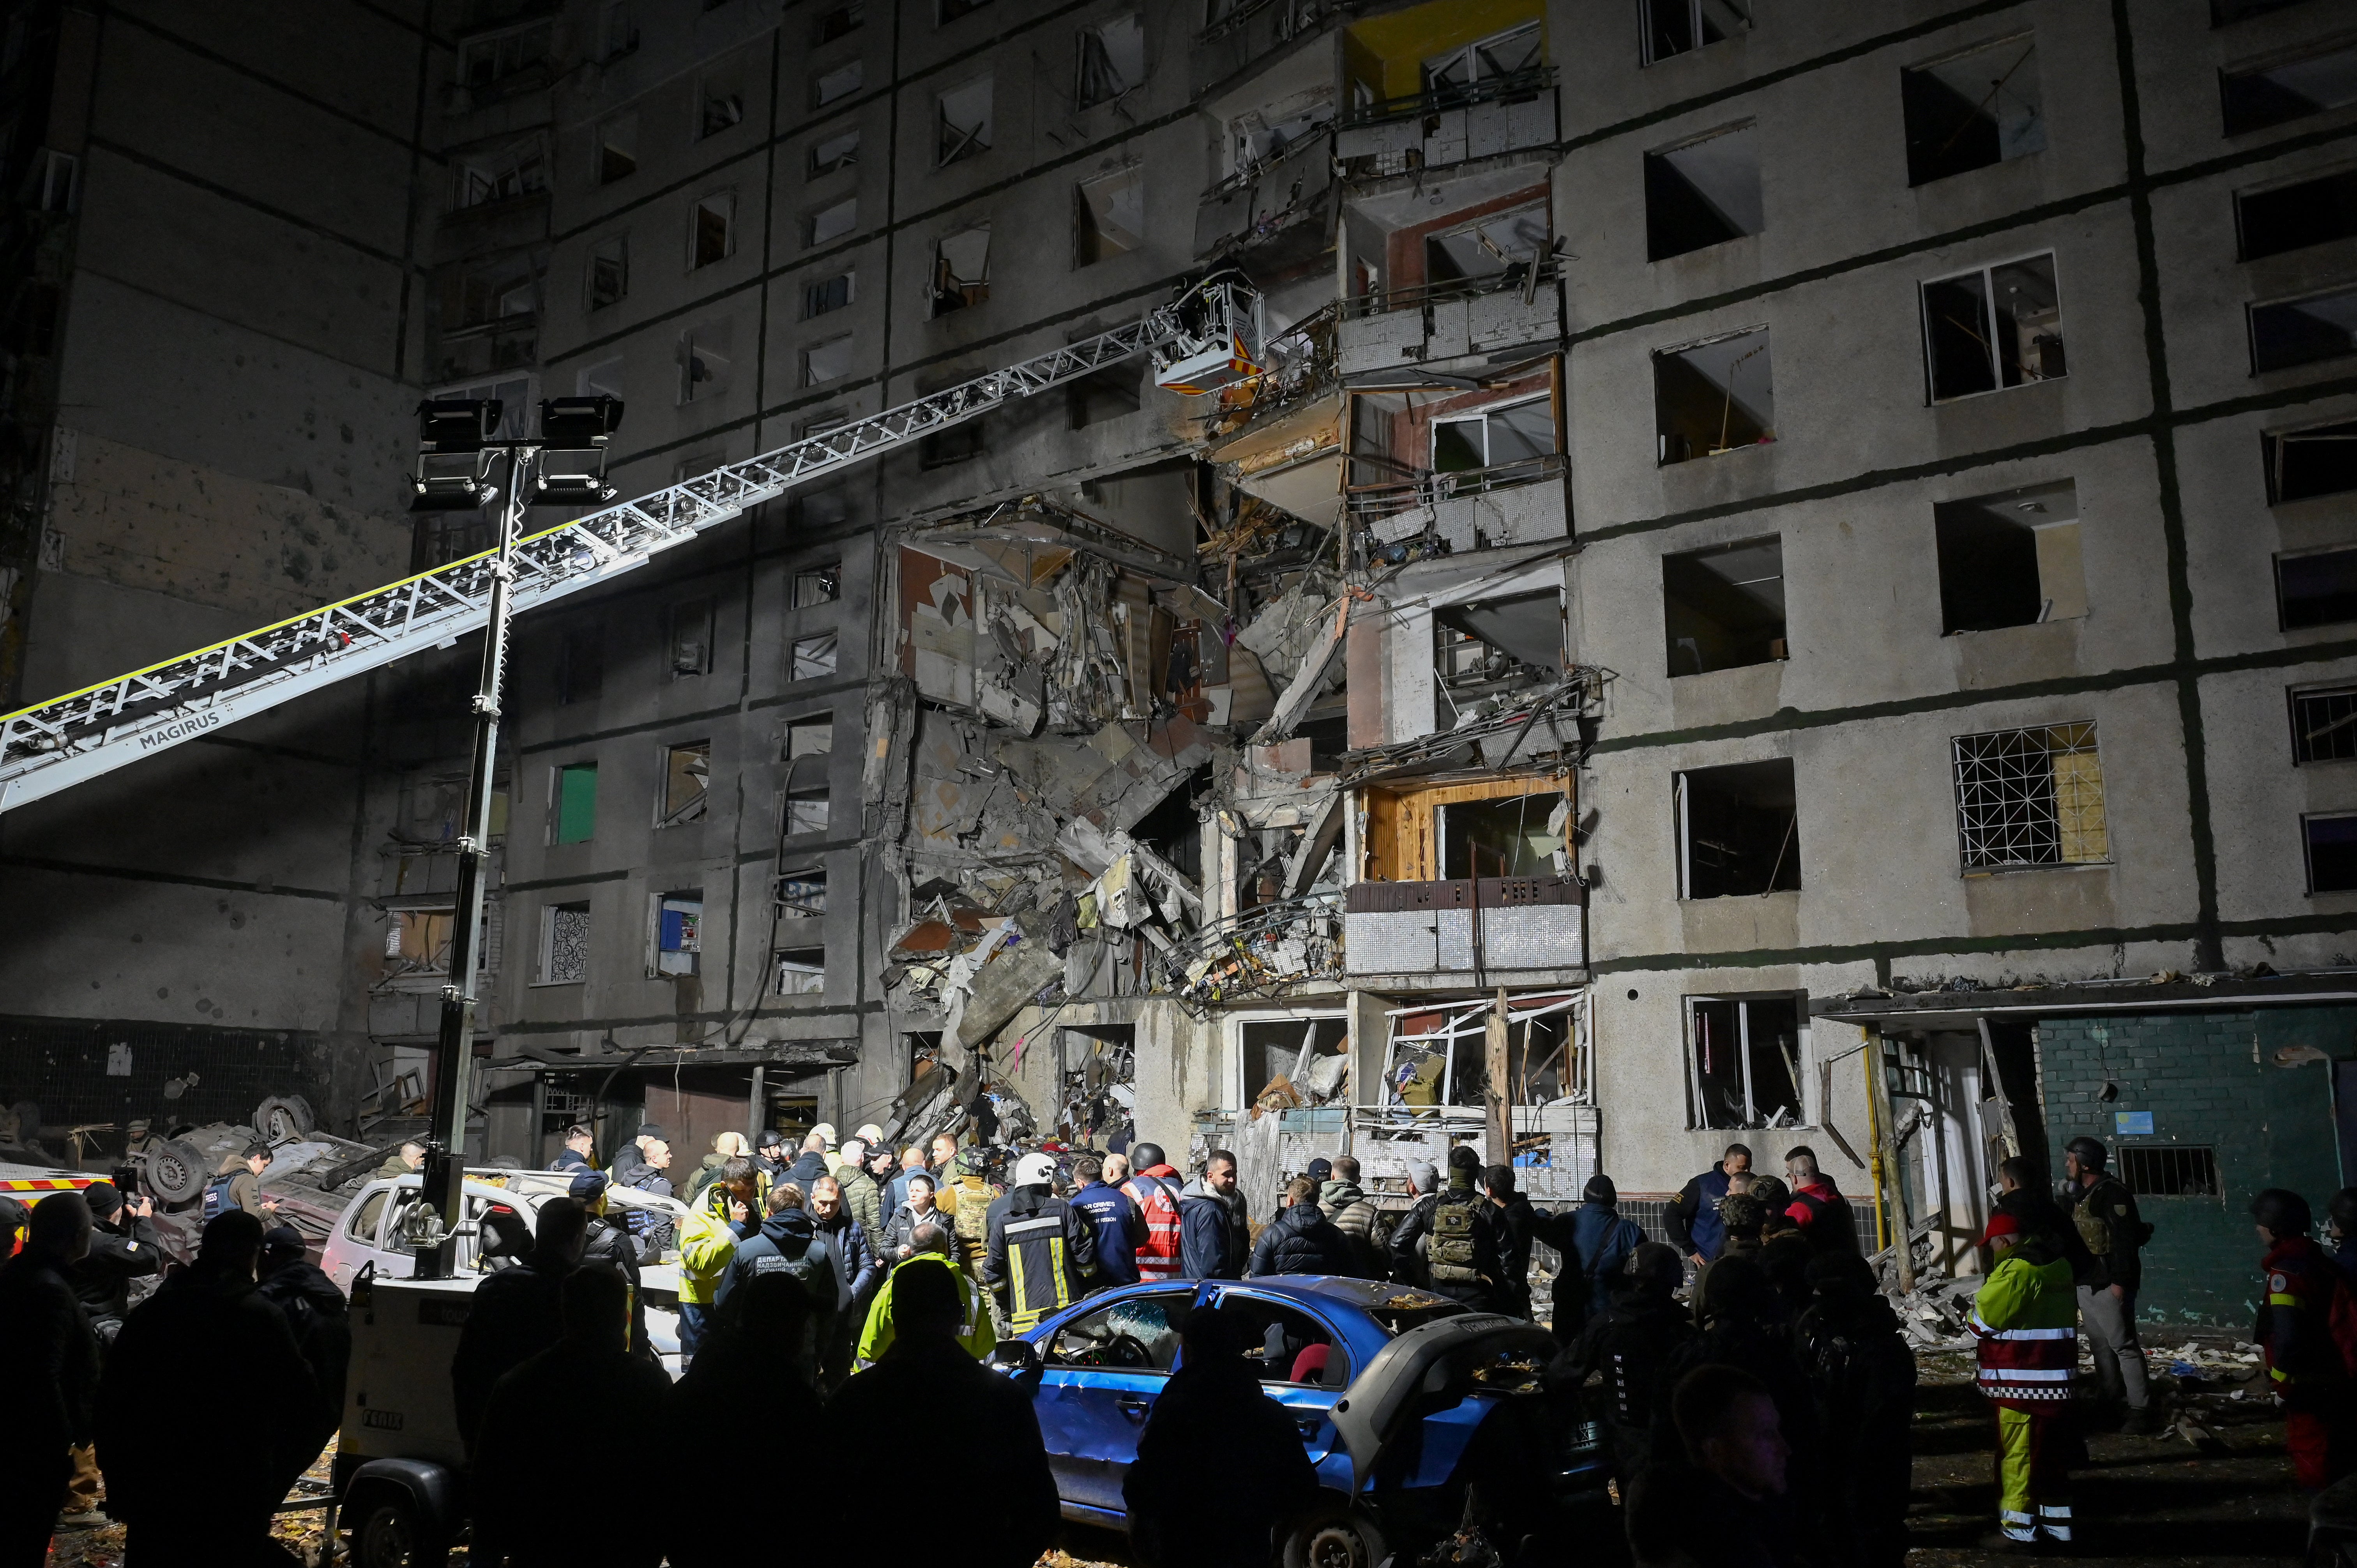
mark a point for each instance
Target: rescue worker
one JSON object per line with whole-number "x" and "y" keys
{"x": 1596, "y": 1244}
{"x": 586, "y": 1374}
{"x": 1633, "y": 1343}
{"x": 407, "y": 1160}
{"x": 732, "y": 1180}
{"x": 1353, "y": 1214}
{"x": 1300, "y": 1239}
{"x": 604, "y": 1242}
{"x": 770, "y": 1159}
{"x": 966, "y": 1201}
{"x": 787, "y": 1243}
{"x": 2025, "y": 1319}
{"x": 706, "y": 1245}
{"x": 1452, "y": 1239}
{"x": 2104, "y": 1213}
{"x": 996, "y": 1506}
{"x": 1817, "y": 1206}
{"x": 514, "y": 1312}
{"x": 122, "y": 1247}
{"x": 1120, "y": 1229}
{"x": 1861, "y": 1373}
{"x": 53, "y": 1357}
{"x": 1212, "y": 1245}
{"x": 1692, "y": 1222}
{"x": 1518, "y": 1224}
{"x": 1154, "y": 1188}
{"x": 1040, "y": 1253}
{"x": 1220, "y": 1465}
{"x": 857, "y": 1273}
{"x": 975, "y": 1330}
{"x": 2294, "y": 1330}
{"x": 579, "y": 1154}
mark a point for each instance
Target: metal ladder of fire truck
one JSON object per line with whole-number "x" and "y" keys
{"x": 1205, "y": 340}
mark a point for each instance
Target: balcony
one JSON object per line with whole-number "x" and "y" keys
{"x": 1387, "y": 328}
{"x": 1456, "y": 124}
{"x": 1276, "y": 214}
{"x": 1480, "y": 508}
{"x": 1465, "y": 925}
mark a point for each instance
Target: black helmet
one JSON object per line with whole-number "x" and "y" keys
{"x": 2284, "y": 1213}
{"x": 2091, "y": 1155}
{"x": 1145, "y": 1156}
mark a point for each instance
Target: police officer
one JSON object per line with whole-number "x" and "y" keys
{"x": 2103, "y": 1212}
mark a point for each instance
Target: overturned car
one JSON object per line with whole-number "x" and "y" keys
{"x": 1405, "y": 1401}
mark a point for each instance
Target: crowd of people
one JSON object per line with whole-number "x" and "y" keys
{"x": 1754, "y": 1390}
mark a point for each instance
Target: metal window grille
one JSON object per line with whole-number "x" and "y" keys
{"x": 2170, "y": 1170}
{"x": 2324, "y": 724}
{"x": 2030, "y": 797}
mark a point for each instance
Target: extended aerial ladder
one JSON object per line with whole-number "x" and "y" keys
{"x": 1206, "y": 339}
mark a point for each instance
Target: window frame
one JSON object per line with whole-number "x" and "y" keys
{"x": 1986, "y": 273}
{"x": 2307, "y": 851}
{"x": 610, "y": 252}
{"x": 726, "y": 212}
{"x": 1966, "y": 831}
{"x": 544, "y": 961}
{"x": 556, "y": 775}
{"x": 677, "y": 817}
{"x": 1697, "y": 1113}
{"x": 1646, "y": 57}
{"x": 2301, "y": 736}
{"x": 658, "y": 905}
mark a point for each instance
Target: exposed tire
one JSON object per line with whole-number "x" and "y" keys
{"x": 1335, "y": 1538}
{"x": 392, "y": 1535}
{"x": 176, "y": 1171}
{"x": 282, "y": 1117}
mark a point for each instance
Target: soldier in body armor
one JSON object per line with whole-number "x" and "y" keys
{"x": 2103, "y": 1212}
{"x": 1457, "y": 1236}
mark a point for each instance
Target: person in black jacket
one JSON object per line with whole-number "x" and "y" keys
{"x": 535, "y": 1513}
{"x": 1301, "y": 1239}
{"x": 2103, "y": 1212}
{"x": 53, "y": 1376}
{"x": 788, "y": 1245}
{"x": 1742, "y": 1325}
{"x": 606, "y": 1242}
{"x": 1213, "y": 1242}
{"x": 1220, "y": 1466}
{"x": 1517, "y": 1229}
{"x": 1471, "y": 1268}
{"x": 515, "y": 1313}
{"x": 1862, "y": 1375}
{"x": 1039, "y": 1253}
{"x": 748, "y": 1376}
{"x": 207, "y": 1341}
{"x": 316, "y": 1313}
{"x": 122, "y": 1247}
{"x": 1633, "y": 1343}
{"x": 1692, "y": 1222}
{"x": 1716, "y": 1499}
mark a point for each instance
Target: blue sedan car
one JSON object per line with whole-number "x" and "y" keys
{"x": 1404, "y": 1399}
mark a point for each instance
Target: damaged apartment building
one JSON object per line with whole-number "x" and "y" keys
{"x": 1762, "y": 572}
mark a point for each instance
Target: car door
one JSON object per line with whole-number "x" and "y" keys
{"x": 1285, "y": 1332}
{"x": 1102, "y": 1369}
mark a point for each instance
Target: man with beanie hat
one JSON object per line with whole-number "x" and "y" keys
{"x": 2027, "y": 1319}
{"x": 316, "y": 1311}
{"x": 53, "y": 1379}
{"x": 1457, "y": 1237}
{"x": 1595, "y": 1243}
{"x": 2295, "y": 1331}
{"x": 122, "y": 1247}
{"x": 1039, "y": 1253}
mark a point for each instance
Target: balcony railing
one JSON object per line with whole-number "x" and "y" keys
{"x": 1525, "y": 84}
{"x": 1496, "y": 922}
{"x": 1369, "y": 501}
{"x": 1518, "y": 277}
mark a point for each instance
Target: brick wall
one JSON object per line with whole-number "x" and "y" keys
{"x": 61, "y": 1065}
{"x": 2210, "y": 1080}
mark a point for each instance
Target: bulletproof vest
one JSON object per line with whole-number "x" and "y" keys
{"x": 971, "y": 1220}
{"x": 1449, "y": 1256}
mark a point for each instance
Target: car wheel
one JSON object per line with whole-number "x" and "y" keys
{"x": 392, "y": 1536}
{"x": 284, "y": 1117}
{"x": 176, "y": 1171}
{"x": 1333, "y": 1538}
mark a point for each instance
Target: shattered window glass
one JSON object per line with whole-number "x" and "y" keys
{"x": 962, "y": 269}
{"x": 802, "y": 892}
{"x": 1994, "y": 327}
{"x": 687, "y": 772}
{"x": 964, "y": 128}
{"x": 1714, "y": 396}
{"x": 801, "y": 971}
{"x": 1499, "y": 56}
{"x": 1972, "y": 109}
{"x": 1111, "y": 215}
{"x": 1675, "y": 27}
{"x": 812, "y": 657}
{"x": 1113, "y": 61}
{"x": 813, "y": 736}
{"x": 713, "y": 236}
{"x": 1744, "y": 1060}
{"x": 1138, "y": 1335}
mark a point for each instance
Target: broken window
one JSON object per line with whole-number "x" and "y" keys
{"x": 1493, "y": 438}
{"x": 1456, "y": 76}
{"x": 520, "y": 170}
{"x": 1993, "y": 326}
{"x": 1703, "y": 192}
{"x": 828, "y": 509}
{"x": 840, "y": 22}
{"x": 1743, "y": 1060}
{"x": 812, "y": 736}
{"x": 2324, "y": 724}
{"x": 713, "y": 237}
{"x": 826, "y": 361}
{"x": 1675, "y": 27}
{"x": 1972, "y": 109}
{"x": 618, "y": 148}
{"x": 828, "y": 294}
{"x": 2317, "y": 589}
{"x": 704, "y": 363}
{"x": 485, "y": 62}
{"x": 689, "y": 637}
{"x": 801, "y": 971}
{"x": 687, "y": 776}
{"x": 724, "y": 107}
{"x": 836, "y": 84}
{"x": 809, "y": 744}
{"x": 2010, "y": 559}
{"x": 677, "y": 940}
{"x": 829, "y": 154}
{"x": 1109, "y": 393}
{"x": 2303, "y": 332}
{"x": 2030, "y": 797}
{"x": 1289, "y": 1048}
{"x": 1505, "y": 837}
{"x": 503, "y": 290}
{"x": 1489, "y": 247}
{"x": 817, "y": 585}
{"x": 573, "y": 804}
{"x": 1113, "y": 61}
{"x": 802, "y": 895}
{"x": 958, "y": 444}
{"x": 2320, "y": 460}
{"x": 602, "y": 378}
{"x": 2330, "y": 839}
{"x": 2294, "y": 217}
{"x": 1714, "y": 396}
{"x": 580, "y": 665}
{"x": 1724, "y": 607}
{"x": 2256, "y": 97}
{"x": 417, "y": 939}
{"x": 813, "y": 656}
{"x": 962, "y": 122}
{"x": 834, "y": 223}
{"x": 962, "y": 269}
{"x": 1108, "y": 216}
{"x": 610, "y": 271}
{"x": 1737, "y": 830}
{"x": 564, "y": 943}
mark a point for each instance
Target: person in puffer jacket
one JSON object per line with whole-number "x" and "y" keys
{"x": 1301, "y": 1239}
{"x": 1353, "y": 1214}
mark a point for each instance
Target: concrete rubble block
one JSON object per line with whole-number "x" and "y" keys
{"x": 1004, "y": 987}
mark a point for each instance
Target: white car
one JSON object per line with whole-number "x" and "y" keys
{"x": 370, "y": 1233}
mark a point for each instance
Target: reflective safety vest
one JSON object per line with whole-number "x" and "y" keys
{"x": 2027, "y": 1319}
{"x": 1038, "y": 1278}
{"x": 1157, "y": 1199}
